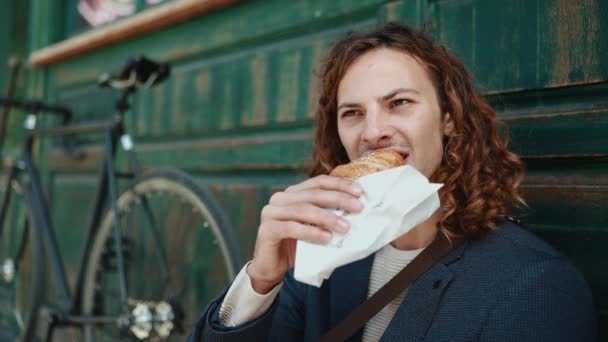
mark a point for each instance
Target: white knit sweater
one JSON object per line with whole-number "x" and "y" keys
{"x": 242, "y": 304}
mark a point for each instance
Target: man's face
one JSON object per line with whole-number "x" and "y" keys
{"x": 387, "y": 100}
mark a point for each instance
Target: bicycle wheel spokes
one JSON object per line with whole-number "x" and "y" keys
{"x": 199, "y": 254}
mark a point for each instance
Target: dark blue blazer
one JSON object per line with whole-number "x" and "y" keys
{"x": 509, "y": 286}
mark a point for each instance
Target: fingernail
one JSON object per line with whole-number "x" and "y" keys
{"x": 355, "y": 204}
{"x": 326, "y": 237}
{"x": 343, "y": 225}
{"x": 357, "y": 189}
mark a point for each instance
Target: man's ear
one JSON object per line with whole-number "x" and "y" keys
{"x": 448, "y": 124}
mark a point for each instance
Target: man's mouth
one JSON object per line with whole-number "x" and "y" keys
{"x": 402, "y": 152}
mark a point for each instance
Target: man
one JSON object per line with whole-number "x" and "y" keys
{"x": 395, "y": 88}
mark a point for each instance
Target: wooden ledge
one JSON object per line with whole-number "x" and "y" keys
{"x": 147, "y": 21}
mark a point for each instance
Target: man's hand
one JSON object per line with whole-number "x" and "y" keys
{"x": 299, "y": 213}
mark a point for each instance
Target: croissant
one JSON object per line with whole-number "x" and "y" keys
{"x": 374, "y": 161}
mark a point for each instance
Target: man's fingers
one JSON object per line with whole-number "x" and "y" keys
{"x": 328, "y": 183}
{"x": 321, "y": 198}
{"x": 306, "y": 214}
{"x": 300, "y": 231}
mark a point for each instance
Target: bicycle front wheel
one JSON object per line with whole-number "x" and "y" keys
{"x": 164, "y": 214}
{"x": 21, "y": 269}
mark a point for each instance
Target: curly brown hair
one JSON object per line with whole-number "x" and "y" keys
{"x": 481, "y": 176}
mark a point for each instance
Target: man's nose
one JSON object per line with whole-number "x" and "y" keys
{"x": 376, "y": 130}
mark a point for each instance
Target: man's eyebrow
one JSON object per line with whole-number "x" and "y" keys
{"x": 347, "y": 105}
{"x": 398, "y": 91}
{"x": 383, "y": 98}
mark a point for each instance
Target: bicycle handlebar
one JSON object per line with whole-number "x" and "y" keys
{"x": 38, "y": 107}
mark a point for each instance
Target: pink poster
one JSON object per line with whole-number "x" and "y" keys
{"x": 100, "y": 12}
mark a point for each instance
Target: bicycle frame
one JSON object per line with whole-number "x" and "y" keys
{"x": 39, "y": 206}
{"x": 106, "y": 197}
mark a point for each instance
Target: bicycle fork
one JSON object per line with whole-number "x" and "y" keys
{"x": 139, "y": 315}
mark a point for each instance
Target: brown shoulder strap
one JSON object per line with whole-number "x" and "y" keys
{"x": 366, "y": 310}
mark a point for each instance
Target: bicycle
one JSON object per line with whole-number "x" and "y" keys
{"x": 146, "y": 232}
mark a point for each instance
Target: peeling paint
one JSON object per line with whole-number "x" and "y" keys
{"x": 178, "y": 116}
{"x": 314, "y": 89}
{"x": 389, "y": 11}
{"x": 143, "y": 107}
{"x": 288, "y": 85}
{"x": 203, "y": 83}
{"x": 258, "y": 68}
{"x": 202, "y": 94}
{"x": 575, "y": 57}
{"x": 228, "y": 88}
{"x": 154, "y": 125}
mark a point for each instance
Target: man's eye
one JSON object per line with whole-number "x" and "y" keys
{"x": 399, "y": 102}
{"x": 349, "y": 113}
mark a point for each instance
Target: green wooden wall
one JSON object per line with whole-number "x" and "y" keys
{"x": 238, "y": 109}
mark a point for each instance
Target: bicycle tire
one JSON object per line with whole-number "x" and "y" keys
{"x": 98, "y": 280}
{"x": 23, "y": 248}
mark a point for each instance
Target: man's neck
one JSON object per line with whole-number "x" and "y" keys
{"x": 420, "y": 236}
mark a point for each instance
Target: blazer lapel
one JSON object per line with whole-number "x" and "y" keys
{"x": 416, "y": 312}
{"x": 348, "y": 287}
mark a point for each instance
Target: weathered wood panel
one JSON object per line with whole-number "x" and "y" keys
{"x": 523, "y": 44}
{"x": 239, "y": 106}
{"x": 562, "y": 122}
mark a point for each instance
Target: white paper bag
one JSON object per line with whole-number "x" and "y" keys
{"x": 395, "y": 201}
